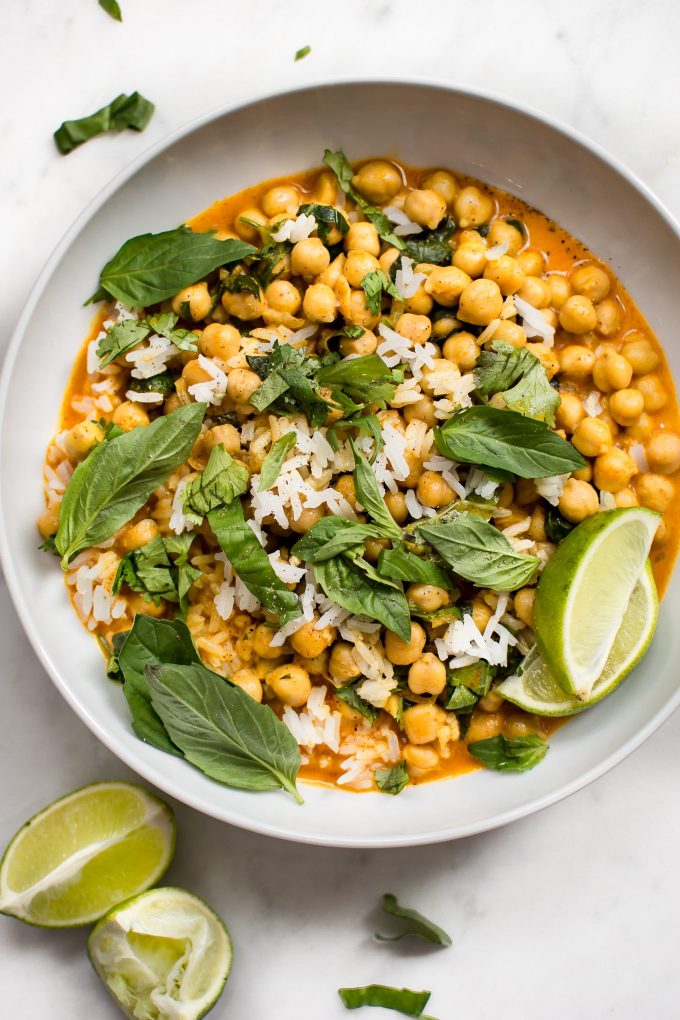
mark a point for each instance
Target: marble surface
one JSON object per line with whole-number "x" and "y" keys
{"x": 571, "y": 913}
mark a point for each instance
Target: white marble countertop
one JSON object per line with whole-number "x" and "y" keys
{"x": 569, "y": 914}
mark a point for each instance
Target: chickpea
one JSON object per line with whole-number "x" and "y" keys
{"x": 262, "y": 637}
{"x": 612, "y": 371}
{"x": 560, "y": 289}
{"x": 404, "y": 653}
{"x": 511, "y": 333}
{"x": 193, "y": 374}
{"x": 134, "y": 536}
{"x": 507, "y": 496}
{"x": 609, "y": 316}
{"x": 248, "y": 681}
{"x": 484, "y": 725}
{"x": 396, "y": 504}
{"x": 335, "y": 272}
{"x": 358, "y": 311}
{"x": 197, "y": 297}
{"x": 343, "y": 664}
{"x": 578, "y": 501}
{"x": 639, "y": 351}
{"x": 626, "y": 497}
{"x": 282, "y": 198}
{"x": 472, "y": 207}
{"x": 223, "y": 435}
{"x": 243, "y": 305}
{"x": 310, "y": 640}
{"x": 245, "y": 230}
{"x": 655, "y": 491}
{"x": 358, "y": 265}
{"x": 525, "y": 492}
{"x": 421, "y": 410}
{"x": 613, "y": 470}
{"x": 241, "y": 384}
{"x": 584, "y": 474}
{"x": 320, "y": 303}
{"x": 345, "y": 486}
{"x": 570, "y": 413}
{"x": 471, "y": 259}
{"x": 291, "y": 684}
{"x": 626, "y": 406}
{"x": 591, "y": 281}
{"x": 491, "y": 702}
{"x": 576, "y": 360}
{"x": 129, "y": 415}
{"x": 524, "y": 605}
{"x": 420, "y": 759}
{"x": 433, "y": 491}
{"x": 138, "y": 604}
{"x": 443, "y": 325}
{"x": 363, "y": 345}
{"x": 427, "y": 675}
{"x": 282, "y": 296}
{"x": 425, "y": 207}
{"x": 663, "y": 452}
{"x": 422, "y": 723}
{"x": 502, "y": 232}
{"x": 307, "y": 519}
{"x": 446, "y": 284}
{"x": 642, "y": 429}
{"x": 325, "y": 188}
{"x": 428, "y": 597}
{"x": 480, "y": 302}
{"x": 506, "y": 272}
{"x": 373, "y": 547}
{"x": 378, "y": 181}
{"x": 416, "y": 328}
{"x": 535, "y": 291}
{"x": 519, "y": 725}
{"x": 443, "y": 183}
{"x": 537, "y": 525}
{"x": 578, "y": 315}
{"x": 661, "y": 534}
{"x": 653, "y": 393}
{"x": 363, "y": 237}
{"x": 481, "y": 613}
{"x": 309, "y": 257}
{"x": 532, "y": 263}
{"x": 222, "y": 342}
{"x": 461, "y": 350}
{"x": 388, "y": 258}
{"x": 48, "y": 522}
{"x": 547, "y": 357}
{"x": 80, "y": 439}
{"x": 592, "y": 437}
{"x": 420, "y": 303}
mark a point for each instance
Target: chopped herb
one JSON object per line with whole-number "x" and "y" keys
{"x": 480, "y": 553}
{"x": 402, "y": 1000}
{"x": 326, "y": 217}
{"x": 119, "y": 339}
{"x": 460, "y": 699}
{"x": 392, "y": 780}
{"x": 273, "y": 462}
{"x": 520, "y": 378}
{"x": 160, "y": 569}
{"x": 337, "y": 161}
{"x": 365, "y": 379}
{"x": 557, "y": 527}
{"x": 133, "y": 112}
{"x": 476, "y": 677}
{"x": 270, "y": 260}
{"x": 163, "y": 383}
{"x": 349, "y": 695}
{"x": 303, "y": 52}
{"x": 517, "y": 224}
{"x": 239, "y": 283}
{"x": 509, "y": 755}
{"x": 416, "y": 925}
{"x": 49, "y": 546}
{"x": 352, "y": 331}
{"x": 369, "y": 423}
{"x": 113, "y": 670}
{"x": 290, "y": 385}
{"x": 373, "y": 285}
{"x": 112, "y": 8}
{"x": 332, "y": 536}
{"x": 433, "y": 246}
{"x": 165, "y": 324}
{"x": 221, "y": 481}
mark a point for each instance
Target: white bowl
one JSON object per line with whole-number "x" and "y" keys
{"x": 425, "y": 125}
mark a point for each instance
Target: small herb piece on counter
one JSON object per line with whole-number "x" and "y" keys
{"x": 417, "y": 925}
{"x": 222, "y": 730}
{"x": 432, "y": 246}
{"x": 273, "y": 462}
{"x": 373, "y": 285}
{"x": 163, "y": 383}
{"x": 392, "y": 780}
{"x": 480, "y": 553}
{"x": 239, "y": 283}
{"x": 332, "y": 536}
{"x": 402, "y": 565}
{"x": 557, "y": 527}
{"x": 326, "y": 217}
{"x": 369, "y": 423}
{"x": 509, "y": 755}
{"x": 366, "y": 379}
{"x": 303, "y": 52}
{"x": 117, "y": 477}
{"x": 337, "y": 161}
{"x": 348, "y": 586}
{"x": 133, "y": 112}
{"x": 491, "y": 438}
{"x": 368, "y": 494}
{"x": 476, "y": 677}
{"x": 349, "y": 695}
{"x": 159, "y": 570}
{"x": 520, "y": 378}
{"x": 251, "y": 563}
{"x": 221, "y": 481}
{"x": 152, "y": 267}
{"x": 290, "y": 384}
{"x": 403, "y": 1000}
{"x": 112, "y": 8}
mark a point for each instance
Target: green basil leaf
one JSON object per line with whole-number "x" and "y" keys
{"x": 432, "y": 246}
{"x": 349, "y": 695}
{"x": 159, "y": 569}
{"x": 290, "y": 385}
{"x": 251, "y": 563}
{"x": 112, "y": 8}
{"x": 326, "y": 217}
{"x": 123, "y": 112}
{"x": 480, "y": 553}
{"x": 557, "y": 527}
{"x": 518, "y": 225}
{"x": 221, "y": 481}
{"x": 437, "y": 617}
{"x": 151, "y": 642}
{"x": 417, "y": 924}
{"x": 392, "y": 780}
{"x": 355, "y": 555}
{"x": 163, "y": 383}
{"x": 152, "y": 267}
{"x": 222, "y": 730}
{"x": 239, "y": 283}
{"x": 108, "y": 488}
{"x": 366, "y": 379}
{"x": 402, "y": 565}
{"x": 509, "y": 755}
{"x": 346, "y": 585}
{"x": 332, "y": 536}
{"x": 113, "y": 670}
{"x": 164, "y": 325}
{"x": 369, "y": 423}
{"x": 119, "y": 339}
{"x": 373, "y": 285}
{"x": 273, "y": 462}
{"x": 368, "y": 494}
{"x": 460, "y": 699}
{"x": 337, "y": 161}
{"x": 476, "y": 677}
{"x": 402, "y": 1000}
{"x": 520, "y": 378}
{"x": 303, "y": 52}
{"x": 492, "y": 438}
{"x": 270, "y": 258}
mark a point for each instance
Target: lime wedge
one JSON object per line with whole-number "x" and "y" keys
{"x": 584, "y": 591}
{"x": 84, "y": 853}
{"x": 536, "y": 690}
{"x": 164, "y": 955}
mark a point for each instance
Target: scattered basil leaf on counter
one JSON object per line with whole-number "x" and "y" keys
{"x": 346, "y": 585}
{"x": 251, "y": 563}
{"x": 332, "y": 536}
{"x": 303, "y": 52}
{"x": 373, "y": 286}
{"x": 480, "y": 553}
{"x": 337, "y": 161}
{"x": 402, "y": 1000}
{"x": 221, "y": 481}
{"x": 402, "y": 565}
{"x": 516, "y": 754}
{"x": 349, "y": 695}
{"x": 273, "y": 462}
{"x": 366, "y": 379}
{"x": 133, "y": 112}
{"x": 416, "y": 925}
{"x": 520, "y": 378}
{"x": 149, "y": 268}
{"x": 326, "y": 217}
{"x": 112, "y": 8}
{"x": 117, "y": 477}
{"x": 392, "y": 780}
{"x": 432, "y": 246}
{"x": 368, "y": 494}
{"x": 492, "y": 438}
{"x": 557, "y": 527}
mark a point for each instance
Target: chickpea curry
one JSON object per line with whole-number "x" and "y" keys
{"x": 341, "y": 440}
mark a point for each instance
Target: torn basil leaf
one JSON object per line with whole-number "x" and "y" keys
{"x": 516, "y": 754}
{"x": 347, "y": 585}
{"x": 349, "y": 695}
{"x": 480, "y": 553}
{"x": 373, "y": 286}
{"x": 557, "y": 527}
{"x": 365, "y": 379}
{"x": 337, "y": 161}
{"x": 290, "y": 385}
{"x": 369, "y": 423}
{"x": 326, "y": 217}
{"x": 332, "y": 536}
{"x": 416, "y": 924}
{"x": 432, "y": 246}
{"x": 273, "y": 462}
{"x": 133, "y": 112}
{"x": 160, "y": 569}
{"x": 403, "y": 1000}
{"x": 221, "y": 481}
{"x": 368, "y": 494}
{"x": 520, "y": 378}
{"x": 304, "y": 51}
{"x": 392, "y": 780}
{"x": 241, "y": 283}
{"x": 112, "y": 8}
{"x": 402, "y": 565}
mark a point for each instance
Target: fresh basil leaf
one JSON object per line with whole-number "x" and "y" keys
{"x": 477, "y": 677}
{"x": 520, "y": 378}
{"x": 417, "y": 924}
{"x": 132, "y": 112}
{"x": 290, "y": 385}
{"x": 326, "y": 217}
{"x": 222, "y": 730}
{"x": 432, "y": 246}
{"x": 509, "y": 755}
{"x": 112, "y": 8}
{"x": 366, "y": 379}
{"x": 492, "y": 438}
{"x": 337, "y": 161}
{"x": 163, "y": 383}
{"x": 480, "y": 553}
{"x": 110, "y": 429}
{"x": 164, "y": 324}
{"x": 557, "y": 527}
{"x": 437, "y": 617}
{"x": 350, "y": 330}
{"x": 119, "y": 339}
{"x": 369, "y": 423}
{"x": 392, "y": 780}
{"x": 373, "y": 285}
{"x": 159, "y": 569}
{"x": 152, "y": 642}
{"x": 273, "y": 462}
{"x": 117, "y": 477}
{"x": 517, "y": 224}
{"x": 349, "y": 695}
{"x": 332, "y": 536}
{"x": 346, "y": 585}
{"x": 402, "y": 565}
{"x": 270, "y": 258}
{"x": 113, "y": 670}
{"x": 221, "y": 481}
{"x": 355, "y": 555}
{"x": 303, "y": 52}
{"x": 402, "y": 1000}
{"x": 460, "y": 699}
{"x": 149, "y": 268}
{"x": 368, "y": 494}
{"x": 251, "y": 563}
{"x": 239, "y": 283}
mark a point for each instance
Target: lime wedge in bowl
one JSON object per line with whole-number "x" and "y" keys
{"x": 84, "y": 853}
{"x": 536, "y": 690}
{"x": 162, "y": 954}
{"x": 584, "y": 592}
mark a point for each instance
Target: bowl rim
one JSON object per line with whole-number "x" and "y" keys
{"x": 10, "y": 566}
